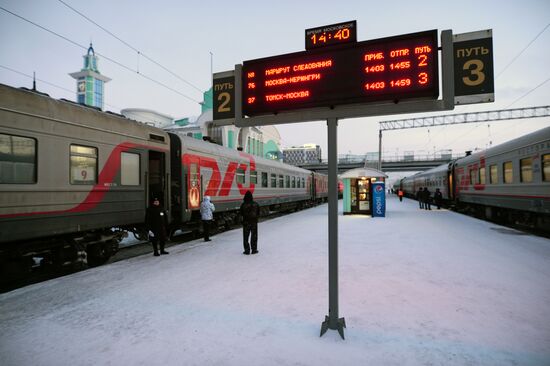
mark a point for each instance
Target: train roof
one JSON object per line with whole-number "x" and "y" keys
{"x": 539, "y": 136}
{"x": 218, "y": 150}
{"x": 33, "y": 103}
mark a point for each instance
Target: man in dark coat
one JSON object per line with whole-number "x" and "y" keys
{"x": 438, "y": 197}
{"x": 420, "y": 197}
{"x": 427, "y": 198}
{"x": 156, "y": 220}
{"x": 250, "y": 211}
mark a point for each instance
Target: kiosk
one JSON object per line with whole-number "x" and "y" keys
{"x": 358, "y": 192}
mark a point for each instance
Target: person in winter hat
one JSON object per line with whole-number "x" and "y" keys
{"x": 156, "y": 221}
{"x": 250, "y": 211}
{"x": 207, "y": 215}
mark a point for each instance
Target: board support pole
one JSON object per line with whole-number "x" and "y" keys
{"x": 331, "y": 320}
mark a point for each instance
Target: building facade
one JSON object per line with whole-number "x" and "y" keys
{"x": 305, "y": 154}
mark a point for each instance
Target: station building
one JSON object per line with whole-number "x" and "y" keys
{"x": 305, "y": 154}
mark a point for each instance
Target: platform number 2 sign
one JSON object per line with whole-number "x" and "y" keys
{"x": 224, "y": 98}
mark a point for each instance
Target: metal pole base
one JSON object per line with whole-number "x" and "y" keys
{"x": 339, "y": 325}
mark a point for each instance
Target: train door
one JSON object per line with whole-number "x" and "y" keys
{"x": 176, "y": 182}
{"x": 450, "y": 183}
{"x": 156, "y": 184}
{"x": 360, "y": 196}
{"x": 194, "y": 188}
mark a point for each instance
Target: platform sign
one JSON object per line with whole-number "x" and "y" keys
{"x": 473, "y": 67}
{"x": 382, "y": 70}
{"x": 224, "y": 95}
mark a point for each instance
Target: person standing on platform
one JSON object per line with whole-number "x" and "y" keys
{"x": 250, "y": 211}
{"x": 420, "y": 198}
{"x": 207, "y": 215}
{"x": 427, "y": 198}
{"x": 438, "y": 197}
{"x": 400, "y": 194}
{"x": 156, "y": 221}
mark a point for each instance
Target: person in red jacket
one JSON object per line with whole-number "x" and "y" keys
{"x": 400, "y": 194}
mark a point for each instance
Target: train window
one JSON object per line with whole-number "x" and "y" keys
{"x": 526, "y": 170}
{"x": 287, "y": 181}
{"x": 545, "y": 159}
{"x": 254, "y": 177}
{"x": 17, "y": 160}
{"x": 273, "y": 180}
{"x": 493, "y": 177}
{"x": 303, "y": 183}
{"x": 264, "y": 179}
{"x": 297, "y": 182}
{"x": 281, "y": 181}
{"x": 481, "y": 178}
{"x": 508, "y": 174}
{"x": 293, "y": 182}
{"x": 83, "y": 164}
{"x": 240, "y": 175}
{"x": 473, "y": 174}
{"x": 129, "y": 169}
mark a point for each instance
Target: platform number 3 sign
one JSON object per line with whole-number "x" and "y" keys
{"x": 473, "y": 67}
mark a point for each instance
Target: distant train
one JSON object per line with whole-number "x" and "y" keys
{"x": 74, "y": 180}
{"x": 508, "y": 183}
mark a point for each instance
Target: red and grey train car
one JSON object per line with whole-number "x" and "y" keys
{"x": 509, "y": 182}
{"x": 74, "y": 180}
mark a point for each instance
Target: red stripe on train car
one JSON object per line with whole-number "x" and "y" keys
{"x": 97, "y": 193}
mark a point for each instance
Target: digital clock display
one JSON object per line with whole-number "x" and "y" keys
{"x": 331, "y": 35}
{"x": 387, "y": 69}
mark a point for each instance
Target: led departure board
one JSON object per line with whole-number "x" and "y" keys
{"x": 386, "y": 69}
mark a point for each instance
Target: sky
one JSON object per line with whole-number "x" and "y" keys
{"x": 191, "y": 39}
{"x": 479, "y": 297}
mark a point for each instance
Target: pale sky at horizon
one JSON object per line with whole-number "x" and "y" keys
{"x": 182, "y": 35}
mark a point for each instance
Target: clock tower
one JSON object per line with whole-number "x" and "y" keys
{"x": 89, "y": 82}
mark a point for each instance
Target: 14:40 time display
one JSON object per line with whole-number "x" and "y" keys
{"x": 340, "y": 35}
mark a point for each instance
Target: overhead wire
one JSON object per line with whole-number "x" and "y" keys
{"x": 140, "y": 53}
{"x": 102, "y": 55}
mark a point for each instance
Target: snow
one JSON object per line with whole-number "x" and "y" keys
{"x": 416, "y": 288}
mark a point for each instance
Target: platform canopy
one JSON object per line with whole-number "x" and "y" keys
{"x": 363, "y": 172}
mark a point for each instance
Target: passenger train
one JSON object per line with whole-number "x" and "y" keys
{"x": 508, "y": 183}
{"x": 74, "y": 180}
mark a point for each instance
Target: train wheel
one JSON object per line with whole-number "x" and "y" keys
{"x": 98, "y": 254}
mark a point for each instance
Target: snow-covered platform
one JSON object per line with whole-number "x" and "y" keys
{"x": 416, "y": 288}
